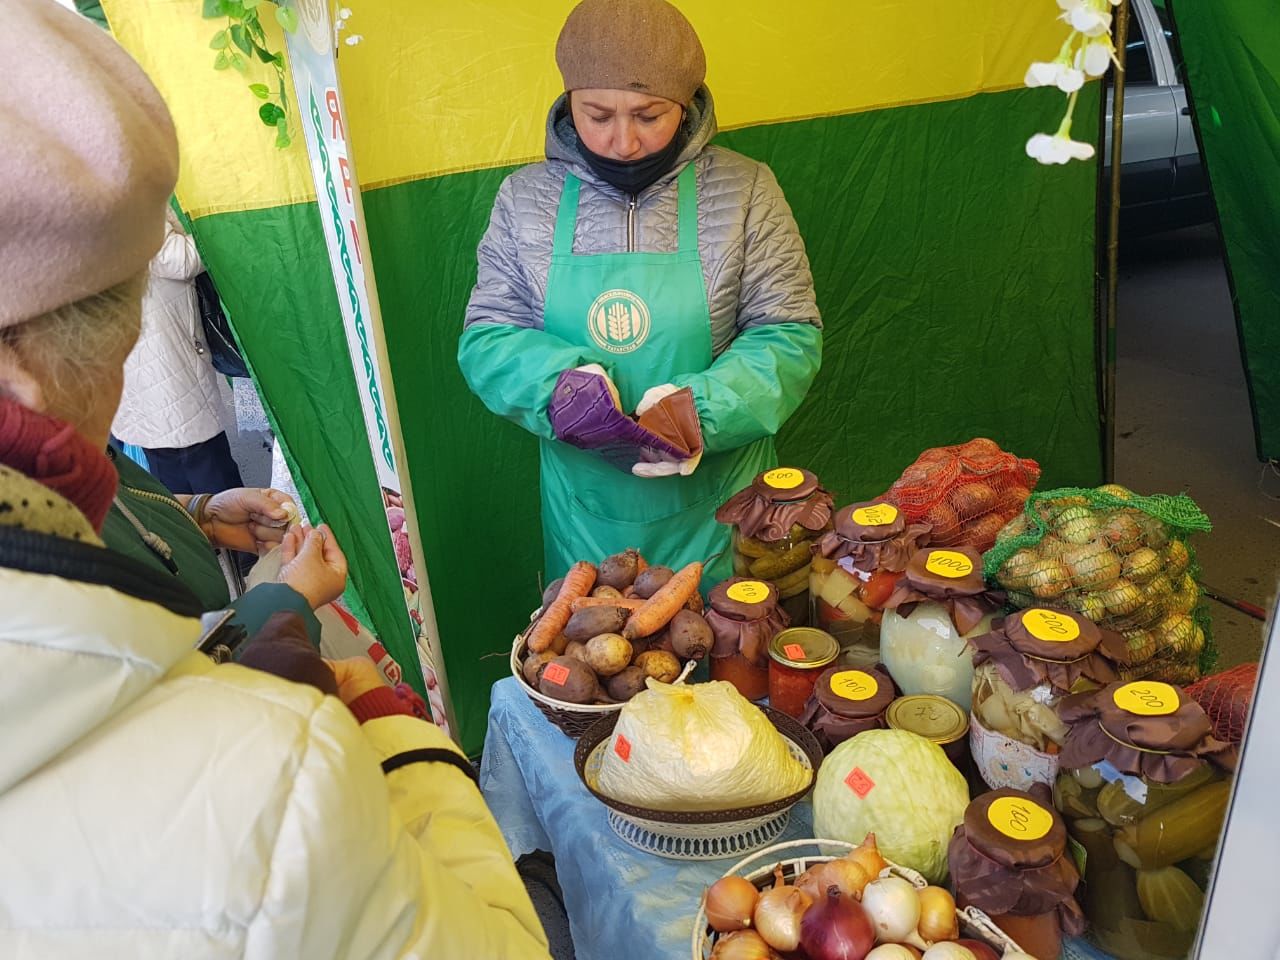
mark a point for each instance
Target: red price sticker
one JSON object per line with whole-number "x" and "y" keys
{"x": 794, "y": 651}
{"x": 622, "y": 747}
{"x": 556, "y": 673}
{"x": 859, "y": 783}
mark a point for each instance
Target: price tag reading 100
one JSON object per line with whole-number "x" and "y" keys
{"x": 854, "y": 685}
{"x": 748, "y": 591}
{"x": 1019, "y": 819}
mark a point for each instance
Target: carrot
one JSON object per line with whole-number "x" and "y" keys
{"x": 577, "y": 584}
{"x": 582, "y": 603}
{"x": 658, "y": 610}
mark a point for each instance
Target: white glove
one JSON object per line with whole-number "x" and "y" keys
{"x": 653, "y": 396}
{"x": 667, "y": 468}
{"x": 600, "y": 371}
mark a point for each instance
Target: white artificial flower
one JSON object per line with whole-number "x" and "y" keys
{"x": 1087, "y": 20}
{"x": 1095, "y": 57}
{"x": 352, "y": 40}
{"x": 345, "y": 12}
{"x": 1063, "y": 76}
{"x": 1057, "y": 148}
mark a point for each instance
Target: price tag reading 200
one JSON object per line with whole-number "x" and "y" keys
{"x": 748, "y": 591}
{"x": 1019, "y": 819}
{"x": 1147, "y": 698}
{"x": 1050, "y": 625}
{"x": 784, "y": 478}
{"x": 876, "y": 515}
{"x": 854, "y": 685}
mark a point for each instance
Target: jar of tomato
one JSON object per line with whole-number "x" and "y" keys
{"x": 846, "y": 702}
{"x": 854, "y": 571}
{"x": 744, "y": 616}
{"x": 1009, "y": 859}
{"x": 796, "y": 657}
{"x": 775, "y": 523}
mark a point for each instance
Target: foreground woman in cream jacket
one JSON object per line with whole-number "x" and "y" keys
{"x": 152, "y": 804}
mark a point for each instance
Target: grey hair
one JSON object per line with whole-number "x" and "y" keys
{"x": 71, "y": 349}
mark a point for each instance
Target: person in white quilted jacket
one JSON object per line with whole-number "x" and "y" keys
{"x": 174, "y": 403}
{"x": 154, "y": 805}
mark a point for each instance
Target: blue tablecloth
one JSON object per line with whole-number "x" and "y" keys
{"x": 621, "y": 902}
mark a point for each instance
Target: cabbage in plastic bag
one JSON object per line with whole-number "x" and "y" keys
{"x": 697, "y": 747}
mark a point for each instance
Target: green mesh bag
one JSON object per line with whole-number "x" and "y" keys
{"x": 1123, "y": 561}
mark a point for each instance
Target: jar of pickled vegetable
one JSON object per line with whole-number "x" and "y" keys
{"x": 796, "y": 657}
{"x": 846, "y": 702}
{"x": 744, "y": 616}
{"x": 1009, "y": 859}
{"x": 854, "y": 571}
{"x": 940, "y": 601}
{"x": 1144, "y": 787}
{"x": 934, "y": 718}
{"x": 1023, "y": 668}
{"x": 775, "y": 522}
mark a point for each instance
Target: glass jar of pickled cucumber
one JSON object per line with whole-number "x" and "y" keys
{"x": 1144, "y": 787}
{"x": 854, "y": 571}
{"x": 775, "y": 523}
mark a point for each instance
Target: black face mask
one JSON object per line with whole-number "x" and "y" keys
{"x": 633, "y": 176}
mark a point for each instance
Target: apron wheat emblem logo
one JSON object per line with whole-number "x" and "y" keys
{"x": 618, "y": 321}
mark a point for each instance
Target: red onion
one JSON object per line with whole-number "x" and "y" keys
{"x": 836, "y": 928}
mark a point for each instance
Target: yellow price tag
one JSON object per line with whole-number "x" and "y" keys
{"x": 876, "y": 515}
{"x": 1147, "y": 698}
{"x": 1050, "y": 625}
{"x": 854, "y": 685}
{"x": 948, "y": 563}
{"x": 1019, "y": 819}
{"x": 784, "y": 478}
{"x": 748, "y": 591}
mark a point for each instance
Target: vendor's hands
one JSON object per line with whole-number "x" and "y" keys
{"x": 667, "y": 468}
{"x": 603, "y": 374}
{"x": 247, "y": 518}
{"x": 356, "y": 676}
{"x": 313, "y": 564}
{"x": 654, "y": 396}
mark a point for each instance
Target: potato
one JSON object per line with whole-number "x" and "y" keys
{"x": 577, "y": 650}
{"x": 691, "y": 636}
{"x": 558, "y": 643}
{"x": 608, "y": 654}
{"x": 593, "y": 621}
{"x": 625, "y": 685}
{"x": 552, "y": 591}
{"x": 532, "y": 664}
{"x": 652, "y": 580}
{"x": 619, "y": 571}
{"x": 607, "y": 593}
{"x": 568, "y": 679}
{"x": 660, "y": 665}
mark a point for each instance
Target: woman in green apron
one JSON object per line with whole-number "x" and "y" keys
{"x": 650, "y": 261}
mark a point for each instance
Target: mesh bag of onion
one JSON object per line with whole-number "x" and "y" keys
{"x": 1123, "y": 561}
{"x": 1225, "y": 698}
{"x": 965, "y": 492}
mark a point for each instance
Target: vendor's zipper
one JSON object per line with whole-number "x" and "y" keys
{"x": 631, "y": 224}
{"x": 167, "y": 501}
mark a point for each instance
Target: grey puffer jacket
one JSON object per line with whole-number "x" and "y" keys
{"x": 753, "y": 260}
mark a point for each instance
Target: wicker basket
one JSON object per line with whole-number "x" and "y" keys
{"x": 573, "y": 719}
{"x": 973, "y": 922}
{"x": 700, "y": 834}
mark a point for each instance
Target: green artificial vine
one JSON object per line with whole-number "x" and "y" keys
{"x": 242, "y": 39}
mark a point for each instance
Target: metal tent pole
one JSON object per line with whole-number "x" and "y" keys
{"x": 1113, "y": 245}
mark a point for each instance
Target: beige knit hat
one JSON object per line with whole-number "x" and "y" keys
{"x": 642, "y": 45}
{"x": 88, "y": 160}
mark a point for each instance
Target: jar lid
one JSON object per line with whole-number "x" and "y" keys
{"x": 1015, "y": 828}
{"x": 744, "y": 598}
{"x": 804, "y": 647}
{"x": 783, "y": 484}
{"x": 932, "y": 717}
{"x": 870, "y": 521}
{"x": 853, "y": 693}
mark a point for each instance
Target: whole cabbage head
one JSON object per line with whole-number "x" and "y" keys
{"x": 897, "y": 785}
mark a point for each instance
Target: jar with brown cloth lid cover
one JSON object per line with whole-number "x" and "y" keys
{"x": 744, "y": 616}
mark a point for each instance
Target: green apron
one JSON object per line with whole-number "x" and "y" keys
{"x": 648, "y": 312}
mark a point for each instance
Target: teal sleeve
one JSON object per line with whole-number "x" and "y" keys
{"x": 514, "y": 369}
{"x": 257, "y": 605}
{"x": 752, "y": 388}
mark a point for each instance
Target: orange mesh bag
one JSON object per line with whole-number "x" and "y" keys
{"x": 966, "y": 492}
{"x": 1226, "y": 698}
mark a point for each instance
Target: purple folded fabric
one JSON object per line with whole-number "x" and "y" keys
{"x": 583, "y": 415}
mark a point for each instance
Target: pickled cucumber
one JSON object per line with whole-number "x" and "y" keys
{"x": 1169, "y": 896}
{"x": 1072, "y": 799}
{"x": 778, "y": 565}
{"x": 1176, "y": 830}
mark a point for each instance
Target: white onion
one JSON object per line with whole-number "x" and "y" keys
{"x": 893, "y": 908}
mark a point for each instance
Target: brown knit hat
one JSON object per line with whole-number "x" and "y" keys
{"x": 643, "y": 45}
{"x": 89, "y": 161}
